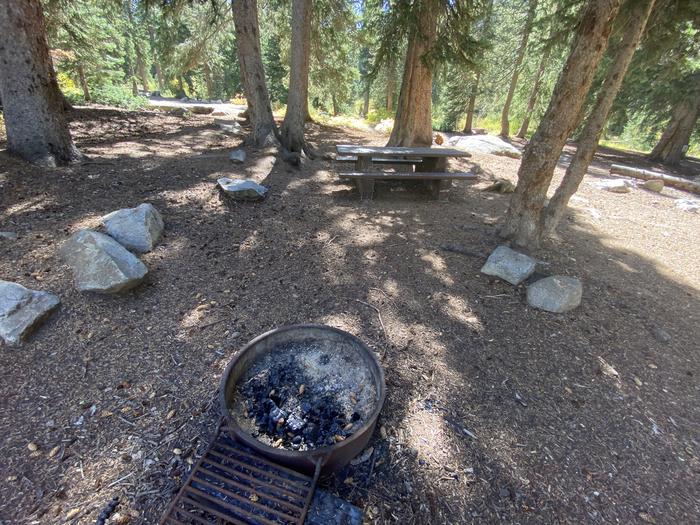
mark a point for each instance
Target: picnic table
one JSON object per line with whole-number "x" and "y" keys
{"x": 428, "y": 164}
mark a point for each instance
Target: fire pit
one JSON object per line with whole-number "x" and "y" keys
{"x": 306, "y": 396}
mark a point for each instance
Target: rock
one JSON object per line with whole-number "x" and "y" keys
{"x": 509, "y": 265}
{"x": 691, "y": 205}
{"x": 655, "y": 185}
{"x": 661, "y": 335}
{"x": 488, "y": 144}
{"x": 556, "y": 294}
{"x": 237, "y": 155}
{"x": 10, "y": 236}
{"x": 385, "y": 126}
{"x": 615, "y": 185}
{"x": 137, "y": 229}
{"x": 501, "y": 186}
{"x": 241, "y": 189}
{"x": 101, "y": 264}
{"x": 22, "y": 310}
{"x": 201, "y": 110}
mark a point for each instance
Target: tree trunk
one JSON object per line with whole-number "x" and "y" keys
{"x": 505, "y": 124}
{"x": 33, "y": 107}
{"x": 588, "y": 140}
{"x": 180, "y": 88}
{"x": 532, "y": 100}
{"x": 156, "y": 63}
{"x": 83, "y": 83}
{"x": 671, "y": 147}
{"x": 245, "y": 19}
{"x": 297, "y": 99}
{"x": 365, "y": 102}
{"x": 412, "y": 124}
{"x": 159, "y": 77}
{"x": 469, "y": 123}
{"x": 334, "y": 99}
{"x": 208, "y": 81}
{"x": 523, "y": 222}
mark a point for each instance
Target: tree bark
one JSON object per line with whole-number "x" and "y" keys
{"x": 523, "y": 222}
{"x": 527, "y": 29}
{"x": 245, "y": 19}
{"x": 671, "y": 147}
{"x": 297, "y": 100}
{"x": 156, "y": 64}
{"x": 590, "y": 135}
{"x": 334, "y": 99}
{"x": 365, "y": 101}
{"x": 35, "y": 121}
{"x": 413, "y": 124}
{"x": 208, "y": 80}
{"x": 532, "y": 99}
{"x": 83, "y": 83}
{"x": 469, "y": 123}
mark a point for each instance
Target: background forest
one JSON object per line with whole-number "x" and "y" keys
{"x": 115, "y": 52}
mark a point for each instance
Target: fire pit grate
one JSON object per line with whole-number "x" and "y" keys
{"x": 232, "y": 483}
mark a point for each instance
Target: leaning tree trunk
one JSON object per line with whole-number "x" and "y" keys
{"x": 588, "y": 140}
{"x": 83, "y": 83}
{"x": 523, "y": 223}
{"x": 245, "y": 19}
{"x": 505, "y": 124}
{"x": 672, "y": 146}
{"x": 469, "y": 123}
{"x": 208, "y": 80}
{"x": 297, "y": 100}
{"x": 532, "y": 99}
{"x": 412, "y": 124}
{"x": 33, "y": 106}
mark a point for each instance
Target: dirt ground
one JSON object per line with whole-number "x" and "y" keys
{"x": 496, "y": 412}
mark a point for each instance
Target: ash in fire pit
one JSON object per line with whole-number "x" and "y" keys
{"x": 303, "y": 396}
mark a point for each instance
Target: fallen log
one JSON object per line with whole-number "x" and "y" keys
{"x": 676, "y": 182}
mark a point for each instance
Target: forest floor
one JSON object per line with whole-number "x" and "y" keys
{"x": 110, "y": 387}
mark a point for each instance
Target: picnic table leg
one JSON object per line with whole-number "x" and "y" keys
{"x": 441, "y": 189}
{"x": 365, "y": 186}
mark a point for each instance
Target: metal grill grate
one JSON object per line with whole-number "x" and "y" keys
{"x": 233, "y": 484}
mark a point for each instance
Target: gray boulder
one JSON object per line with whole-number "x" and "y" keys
{"x": 489, "y": 144}
{"x": 100, "y": 264}
{"x": 509, "y": 265}
{"x": 241, "y": 189}
{"x": 237, "y": 155}
{"x": 137, "y": 229}
{"x": 22, "y": 310}
{"x": 556, "y": 294}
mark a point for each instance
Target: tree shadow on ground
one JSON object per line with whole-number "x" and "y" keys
{"x": 495, "y": 411}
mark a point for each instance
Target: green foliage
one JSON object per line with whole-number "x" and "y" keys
{"x": 119, "y": 96}
{"x": 275, "y": 72}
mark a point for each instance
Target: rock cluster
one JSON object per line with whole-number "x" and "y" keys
{"x": 104, "y": 263}
{"x": 556, "y": 293}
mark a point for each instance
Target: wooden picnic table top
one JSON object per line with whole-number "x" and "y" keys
{"x": 395, "y": 151}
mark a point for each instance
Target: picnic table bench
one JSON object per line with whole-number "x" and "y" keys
{"x": 429, "y": 165}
